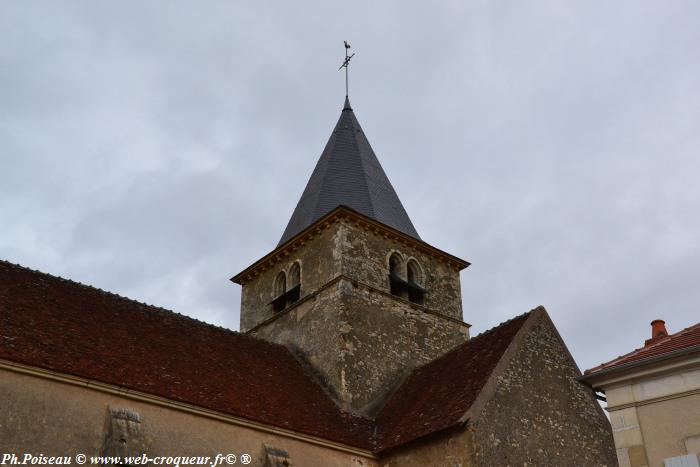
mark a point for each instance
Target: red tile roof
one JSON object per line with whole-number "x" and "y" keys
{"x": 685, "y": 339}
{"x": 436, "y": 395}
{"x": 63, "y": 326}
{"x": 71, "y": 328}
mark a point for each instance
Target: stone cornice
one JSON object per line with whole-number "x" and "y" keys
{"x": 653, "y": 400}
{"x": 338, "y": 214}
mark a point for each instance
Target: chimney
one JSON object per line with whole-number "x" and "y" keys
{"x": 658, "y": 331}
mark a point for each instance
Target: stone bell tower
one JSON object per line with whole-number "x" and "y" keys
{"x": 351, "y": 287}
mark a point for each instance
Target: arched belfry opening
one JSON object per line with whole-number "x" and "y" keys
{"x": 280, "y": 287}
{"x": 396, "y": 274}
{"x": 287, "y": 287}
{"x": 414, "y": 274}
{"x": 294, "y": 275}
{"x": 280, "y": 284}
{"x": 406, "y": 278}
{"x": 294, "y": 284}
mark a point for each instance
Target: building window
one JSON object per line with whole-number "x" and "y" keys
{"x": 294, "y": 283}
{"x": 395, "y": 272}
{"x": 278, "y": 304}
{"x": 287, "y": 287}
{"x": 688, "y": 460}
{"x": 406, "y": 279}
{"x": 413, "y": 272}
{"x": 280, "y": 284}
{"x": 416, "y": 292}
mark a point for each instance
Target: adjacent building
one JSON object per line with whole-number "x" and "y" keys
{"x": 653, "y": 396}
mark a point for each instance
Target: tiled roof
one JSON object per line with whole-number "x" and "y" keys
{"x": 70, "y": 328}
{"x": 436, "y": 395}
{"x": 349, "y": 174}
{"x": 685, "y": 339}
{"x": 74, "y": 329}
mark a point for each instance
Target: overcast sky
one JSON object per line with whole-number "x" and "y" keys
{"x": 155, "y": 149}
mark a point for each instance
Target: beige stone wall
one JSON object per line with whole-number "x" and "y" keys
{"x": 365, "y": 258}
{"x": 43, "y": 416}
{"x": 320, "y": 263}
{"x": 667, "y": 424}
{"x": 655, "y": 415}
{"x": 451, "y": 449}
{"x": 344, "y": 248}
{"x": 629, "y": 442}
{"x": 314, "y": 330}
{"x": 539, "y": 414}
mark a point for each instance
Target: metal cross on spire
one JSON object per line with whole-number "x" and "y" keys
{"x": 345, "y": 64}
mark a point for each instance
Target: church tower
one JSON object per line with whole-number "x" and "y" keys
{"x": 351, "y": 287}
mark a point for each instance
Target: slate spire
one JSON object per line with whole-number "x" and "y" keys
{"x": 349, "y": 174}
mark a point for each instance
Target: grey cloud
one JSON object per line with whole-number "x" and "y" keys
{"x": 157, "y": 149}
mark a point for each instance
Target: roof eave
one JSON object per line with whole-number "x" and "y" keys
{"x": 340, "y": 212}
{"x": 588, "y": 378}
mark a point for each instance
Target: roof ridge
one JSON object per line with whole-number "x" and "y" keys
{"x": 667, "y": 337}
{"x": 507, "y": 322}
{"x": 620, "y": 357}
{"x": 356, "y": 143}
{"x": 477, "y": 338}
{"x": 154, "y": 308}
{"x": 614, "y": 364}
{"x": 317, "y": 201}
{"x": 652, "y": 345}
{"x": 473, "y": 364}
{"x": 689, "y": 328}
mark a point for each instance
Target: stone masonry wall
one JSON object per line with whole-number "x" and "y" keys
{"x": 539, "y": 414}
{"x": 365, "y": 257}
{"x": 358, "y": 337}
{"x": 320, "y": 263}
{"x": 358, "y": 253}
{"x": 453, "y": 448}
{"x": 361, "y": 341}
{"x": 312, "y": 330}
{"x": 385, "y": 339}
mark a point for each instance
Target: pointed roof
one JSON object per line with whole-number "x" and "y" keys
{"x": 349, "y": 174}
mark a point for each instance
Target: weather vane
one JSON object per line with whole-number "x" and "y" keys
{"x": 345, "y": 64}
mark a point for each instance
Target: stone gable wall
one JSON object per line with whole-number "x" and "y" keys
{"x": 540, "y": 414}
